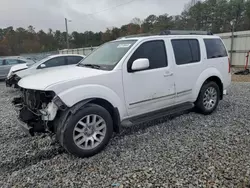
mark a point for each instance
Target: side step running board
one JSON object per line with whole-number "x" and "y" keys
{"x": 157, "y": 114}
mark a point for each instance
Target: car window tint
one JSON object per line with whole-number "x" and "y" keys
{"x": 74, "y": 59}
{"x": 186, "y": 51}
{"x": 1, "y": 62}
{"x": 57, "y": 61}
{"x": 154, "y": 51}
{"x": 215, "y": 48}
{"x": 195, "y": 49}
{"x": 21, "y": 61}
{"x": 11, "y": 61}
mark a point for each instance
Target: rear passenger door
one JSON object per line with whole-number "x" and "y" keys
{"x": 187, "y": 55}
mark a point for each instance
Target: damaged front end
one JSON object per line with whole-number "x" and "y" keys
{"x": 36, "y": 110}
{"x": 12, "y": 81}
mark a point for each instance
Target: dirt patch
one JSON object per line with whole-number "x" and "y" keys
{"x": 239, "y": 78}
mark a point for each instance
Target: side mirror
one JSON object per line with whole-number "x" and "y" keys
{"x": 42, "y": 66}
{"x": 140, "y": 64}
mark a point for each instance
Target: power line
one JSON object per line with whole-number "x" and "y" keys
{"x": 110, "y": 8}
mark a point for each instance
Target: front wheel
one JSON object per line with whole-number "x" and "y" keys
{"x": 87, "y": 132}
{"x": 208, "y": 98}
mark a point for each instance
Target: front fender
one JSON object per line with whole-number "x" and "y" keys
{"x": 79, "y": 93}
{"x": 203, "y": 77}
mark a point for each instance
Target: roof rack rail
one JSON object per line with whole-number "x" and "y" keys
{"x": 137, "y": 35}
{"x": 185, "y": 32}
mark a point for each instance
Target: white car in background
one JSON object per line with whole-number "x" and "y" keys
{"x": 54, "y": 61}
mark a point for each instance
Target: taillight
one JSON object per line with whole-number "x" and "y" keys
{"x": 229, "y": 68}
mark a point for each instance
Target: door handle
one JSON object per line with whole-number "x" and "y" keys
{"x": 168, "y": 74}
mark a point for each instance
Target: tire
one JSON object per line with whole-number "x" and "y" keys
{"x": 207, "y": 108}
{"x": 68, "y": 138}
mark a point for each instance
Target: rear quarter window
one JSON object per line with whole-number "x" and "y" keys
{"x": 215, "y": 48}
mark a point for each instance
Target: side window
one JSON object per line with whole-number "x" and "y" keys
{"x": 74, "y": 59}
{"x": 11, "y": 61}
{"x": 21, "y": 61}
{"x": 1, "y": 62}
{"x": 55, "y": 62}
{"x": 195, "y": 49}
{"x": 186, "y": 51}
{"x": 215, "y": 48}
{"x": 154, "y": 51}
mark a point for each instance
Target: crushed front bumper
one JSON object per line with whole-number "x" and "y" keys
{"x": 28, "y": 120}
{"x": 27, "y": 129}
{"x": 12, "y": 81}
{"x": 32, "y": 122}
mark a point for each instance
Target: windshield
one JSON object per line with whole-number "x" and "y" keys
{"x": 108, "y": 55}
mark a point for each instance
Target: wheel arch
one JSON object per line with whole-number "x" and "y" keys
{"x": 114, "y": 111}
{"x": 218, "y": 81}
{"x": 211, "y": 74}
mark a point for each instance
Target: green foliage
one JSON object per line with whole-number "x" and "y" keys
{"x": 213, "y": 15}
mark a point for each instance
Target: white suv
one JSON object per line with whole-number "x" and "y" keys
{"x": 126, "y": 81}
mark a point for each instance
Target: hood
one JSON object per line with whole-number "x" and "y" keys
{"x": 26, "y": 72}
{"x": 17, "y": 68}
{"x": 34, "y": 70}
{"x": 44, "y": 79}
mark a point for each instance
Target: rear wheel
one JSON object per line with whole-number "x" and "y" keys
{"x": 208, "y": 98}
{"x": 87, "y": 132}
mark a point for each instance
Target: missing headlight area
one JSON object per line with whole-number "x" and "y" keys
{"x": 34, "y": 108}
{"x": 12, "y": 81}
{"x": 36, "y": 100}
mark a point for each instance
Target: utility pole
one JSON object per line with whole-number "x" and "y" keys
{"x": 67, "y": 35}
{"x": 232, "y": 42}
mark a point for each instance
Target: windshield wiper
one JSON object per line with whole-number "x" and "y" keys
{"x": 94, "y": 66}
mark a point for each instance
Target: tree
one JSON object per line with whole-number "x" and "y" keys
{"x": 213, "y": 15}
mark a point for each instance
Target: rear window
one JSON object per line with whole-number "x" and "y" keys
{"x": 186, "y": 51}
{"x": 215, "y": 48}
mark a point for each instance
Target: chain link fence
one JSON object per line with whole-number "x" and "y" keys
{"x": 39, "y": 56}
{"x": 80, "y": 51}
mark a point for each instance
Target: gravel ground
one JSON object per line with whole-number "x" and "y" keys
{"x": 239, "y": 78}
{"x": 185, "y": 150}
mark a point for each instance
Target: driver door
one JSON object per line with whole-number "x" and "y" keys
{"x": 153, "y": 88}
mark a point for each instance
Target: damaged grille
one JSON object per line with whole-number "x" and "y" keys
{"x": 34, "y": 99}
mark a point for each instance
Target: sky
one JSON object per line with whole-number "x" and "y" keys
{"x": 91, "y": 15}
